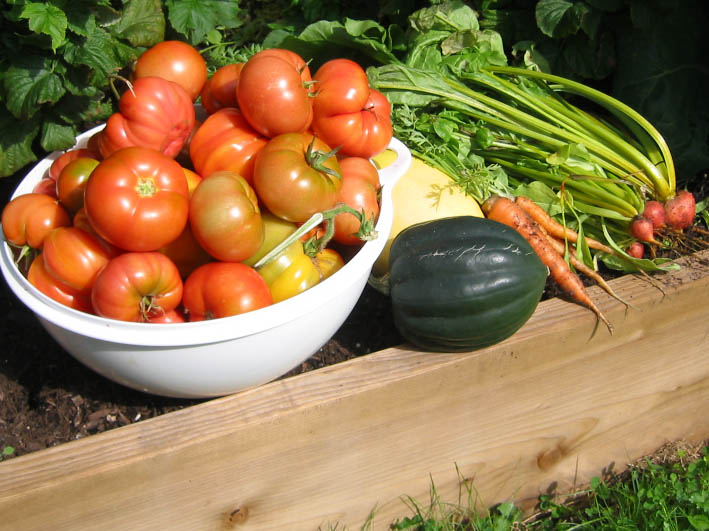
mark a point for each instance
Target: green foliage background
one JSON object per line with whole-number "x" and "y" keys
{"x": 57, "y": 57}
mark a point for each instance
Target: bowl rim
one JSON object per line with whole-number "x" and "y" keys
{"x": 214, "y": 330}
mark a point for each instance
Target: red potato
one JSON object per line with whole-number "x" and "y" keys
{"x": 680, "y": 210}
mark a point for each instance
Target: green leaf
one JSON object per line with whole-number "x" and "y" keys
{"x": 16, "y": 137}
{"x": 57, "y": 136}
{"x": 48, "y": 19}
{"x": 196, "y": 18}
{"x": 101, "y": 52}
{"x": 550, "y": 14}
{"x": 453, "y": 15}
{"x": 142, "y": 23}
{"x": 29, "y": 83}
{"x": 698, "y": 521}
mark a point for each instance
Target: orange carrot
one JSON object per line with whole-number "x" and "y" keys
{"x": 505, "y": 211}
{"x": 583, "y": 268}
{"x": 554, "y": 228}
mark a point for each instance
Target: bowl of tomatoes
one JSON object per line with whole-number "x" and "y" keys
{"x": 206, "y": 357}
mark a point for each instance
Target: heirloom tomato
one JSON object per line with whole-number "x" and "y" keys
{"x": 137, "y": 199}
{"x": 275, "y": 230}
{"x": 155, "y": 113}
{"x": 74, "y": 257}
{"x": 173, "y": 316}
{"x": 186, "y": 252}
{"x": 226, "y": 141}
{"x": 220, "y": 90}
{"x": 297, "y": 175}
{"x": 28, "y": 218}
{"x": 347, "y": 112}
{"x": 66, "y": 157}
{"x": 290, "y": 272}
{"x": 328, "y": 262}
{"x": 46, "y": 186}
{"x": 360, "y": 190}
{"x": 137, "y": 287}
{"x": 274, "y": 92}
{"x": 71, "y": 182}
{"x": 225, "y": 217}
{"x": 222, "y": 289}
{"x": 175, "y": 61}
{"x": 40, "y": 278}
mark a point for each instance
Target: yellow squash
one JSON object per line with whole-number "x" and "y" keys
{"x": 423, "y": 193}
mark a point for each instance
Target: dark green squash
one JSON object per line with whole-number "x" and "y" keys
{"x": 462, "y": 283}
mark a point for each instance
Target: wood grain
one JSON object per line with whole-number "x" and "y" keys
{"x": 547, "y": 409}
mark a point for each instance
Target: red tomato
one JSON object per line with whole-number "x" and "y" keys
{"x": 65, "y": 158}
{"x": 226, "y": 142}
{"x": 221, "y": 289}
{"x": 155, "y": 113}
{"x": 71, "y": 182}
{"x": 173, "y": 316}
{"x": 186, "y": 252}
{"x": 347, "y": 113}
{"x": 28, "y": 218}
{"x": 220, "y": 90}
{"x": 137, "y": 199}
{"x": 46, "y": 186}
{"x": 295, "y": 178}
{"x": 274, "y": 92}
{"x": 40, "y": 278}
{"x": 74, "y": 257}
{"x": 193, "y": 180}
{"x": 225, "y": 217}
{"x": 360, "y": 190}
{"x": 137, "y": 287}
{"x": 81, "y": 221}
{"x": 176, "y": 61}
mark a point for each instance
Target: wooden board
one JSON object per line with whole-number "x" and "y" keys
{"x": 549, "y": 408}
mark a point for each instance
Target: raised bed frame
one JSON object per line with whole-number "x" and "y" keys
{"x": 545, "y": 410}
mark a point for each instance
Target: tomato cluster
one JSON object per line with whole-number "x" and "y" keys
{"x": 164, "y": 218}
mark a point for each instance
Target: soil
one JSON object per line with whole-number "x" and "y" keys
{"x": 48, "y": 398}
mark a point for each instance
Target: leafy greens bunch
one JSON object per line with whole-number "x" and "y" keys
{"x": 588, "y": 158}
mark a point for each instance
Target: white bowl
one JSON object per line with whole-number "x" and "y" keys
{"x": 214, "y": 357}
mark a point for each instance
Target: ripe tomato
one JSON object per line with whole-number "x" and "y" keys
{"x": 155, "y": 113}
{"x": 176, "y": 61}
{"x": 173, "y": 316}
{"x": 360, "y": 190}
{"x": 137, "y": 199}
{"x": 40, "y": 278}
{"x": 137, "y": 287}
{"x": 28, "y": 218}
{"x": 74, "y": 257}
{"x": 193, "y": 180}
{"x": 46, "y": 186}
{"x": 220, "y": 90}
{"x": 66, "y": 157}
{"x": 295, "y": 177}
{"x": 221, "y": 289}
{"x": 347, "y": 113}
{"x": 71, "y": 182}
{"x": 274, "y": 92}
{"x": 225, "y": 217}
{"x": 226, "y": 141}
{"x": 186, "y": 252}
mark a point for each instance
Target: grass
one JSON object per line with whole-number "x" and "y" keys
{"x": 667, "y": 491}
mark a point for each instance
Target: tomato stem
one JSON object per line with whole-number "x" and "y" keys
{"x": 316, "y": 159}
{"x": 113, "y": 85}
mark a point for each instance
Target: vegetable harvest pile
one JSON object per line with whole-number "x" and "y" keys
{"x": 167, "y": 216}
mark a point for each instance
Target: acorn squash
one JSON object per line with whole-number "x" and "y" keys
{"x": 462, "y": 283}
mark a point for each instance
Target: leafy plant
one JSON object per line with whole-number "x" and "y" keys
{"x": 7, "y": 451}
{"x": 57, "y": 58}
